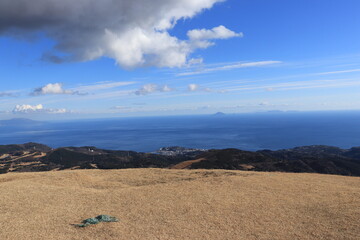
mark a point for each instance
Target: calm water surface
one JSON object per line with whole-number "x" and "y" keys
{"x": 244, "y": 131}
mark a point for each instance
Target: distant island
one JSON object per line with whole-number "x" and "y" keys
{"x": 19, "y": 122}
{"x": 219, "y": 114}
{"x": 32, "y": 157}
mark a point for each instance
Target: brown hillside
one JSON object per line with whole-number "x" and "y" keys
{"x": 179, "y": 204}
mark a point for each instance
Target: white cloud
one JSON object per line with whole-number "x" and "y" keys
{"x": 152, "y": 88}
{"x": 193, "y": 87}
{"x": 57, "y": 88}
{"x": 196, "y": 88}
{"x": 200, "y": 38}
{"x": 230, "y": 67}
{"x": 28, "y": 108}
{"x": 165, "y": 88}
{"x": 146, "y": 89}
{"x": 37, "y": 109}
{"x": 54, "y": 88}
{"x": 133, "y": 32}
{"x": 219, "y": 32}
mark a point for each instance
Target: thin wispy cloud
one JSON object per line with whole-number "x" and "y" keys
{"x": 338, "y": 72}
{"x": 197, "y": 88}
{"x": 7, "y": 94}
{"x": 107, "y": 95}
{"x": 264, "y": 81}
{"x": 103, "y": 86}
{"x": 121, "y": 108}
{"x": 297, "y": 85}
{"x": 230, "y": 67}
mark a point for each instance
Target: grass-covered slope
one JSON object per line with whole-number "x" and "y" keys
{"x": 179, "y": 204}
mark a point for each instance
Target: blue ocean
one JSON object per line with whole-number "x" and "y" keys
{"x": 277, "y": 130}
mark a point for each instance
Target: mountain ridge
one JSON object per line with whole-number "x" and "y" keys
{"x": 31, "y": 157}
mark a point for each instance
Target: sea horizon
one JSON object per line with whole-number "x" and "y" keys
{"x": 247, "y": 131}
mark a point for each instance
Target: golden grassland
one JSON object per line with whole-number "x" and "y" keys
{"x": 179, "y": 204}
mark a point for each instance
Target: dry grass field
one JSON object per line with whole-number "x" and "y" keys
{"x": 179, "y": 204}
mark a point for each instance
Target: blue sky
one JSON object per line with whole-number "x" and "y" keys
{"x": 268, "y": 55}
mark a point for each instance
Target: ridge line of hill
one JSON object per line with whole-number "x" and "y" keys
{"x": 31, "y": 157}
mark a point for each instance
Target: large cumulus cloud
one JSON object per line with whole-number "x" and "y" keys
{"x": 133, "y": 32}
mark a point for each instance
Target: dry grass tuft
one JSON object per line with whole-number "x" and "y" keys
{"x": 179, "y": 204}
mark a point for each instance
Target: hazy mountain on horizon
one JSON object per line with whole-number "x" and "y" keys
{"x": 219, "y": 114}
{"x": 19, "y": 122}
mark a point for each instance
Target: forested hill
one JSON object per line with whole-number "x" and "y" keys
{"x": 313, "y": 159}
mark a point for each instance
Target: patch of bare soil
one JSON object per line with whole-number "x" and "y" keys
{"x": 186, "y": 164}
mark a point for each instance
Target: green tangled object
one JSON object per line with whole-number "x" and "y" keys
{"x": 96, "y": 220}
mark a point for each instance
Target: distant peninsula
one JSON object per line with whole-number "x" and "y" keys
{"x": 19, "y": 122}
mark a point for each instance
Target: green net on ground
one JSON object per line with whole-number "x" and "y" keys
{"x": 96, "y": 220}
